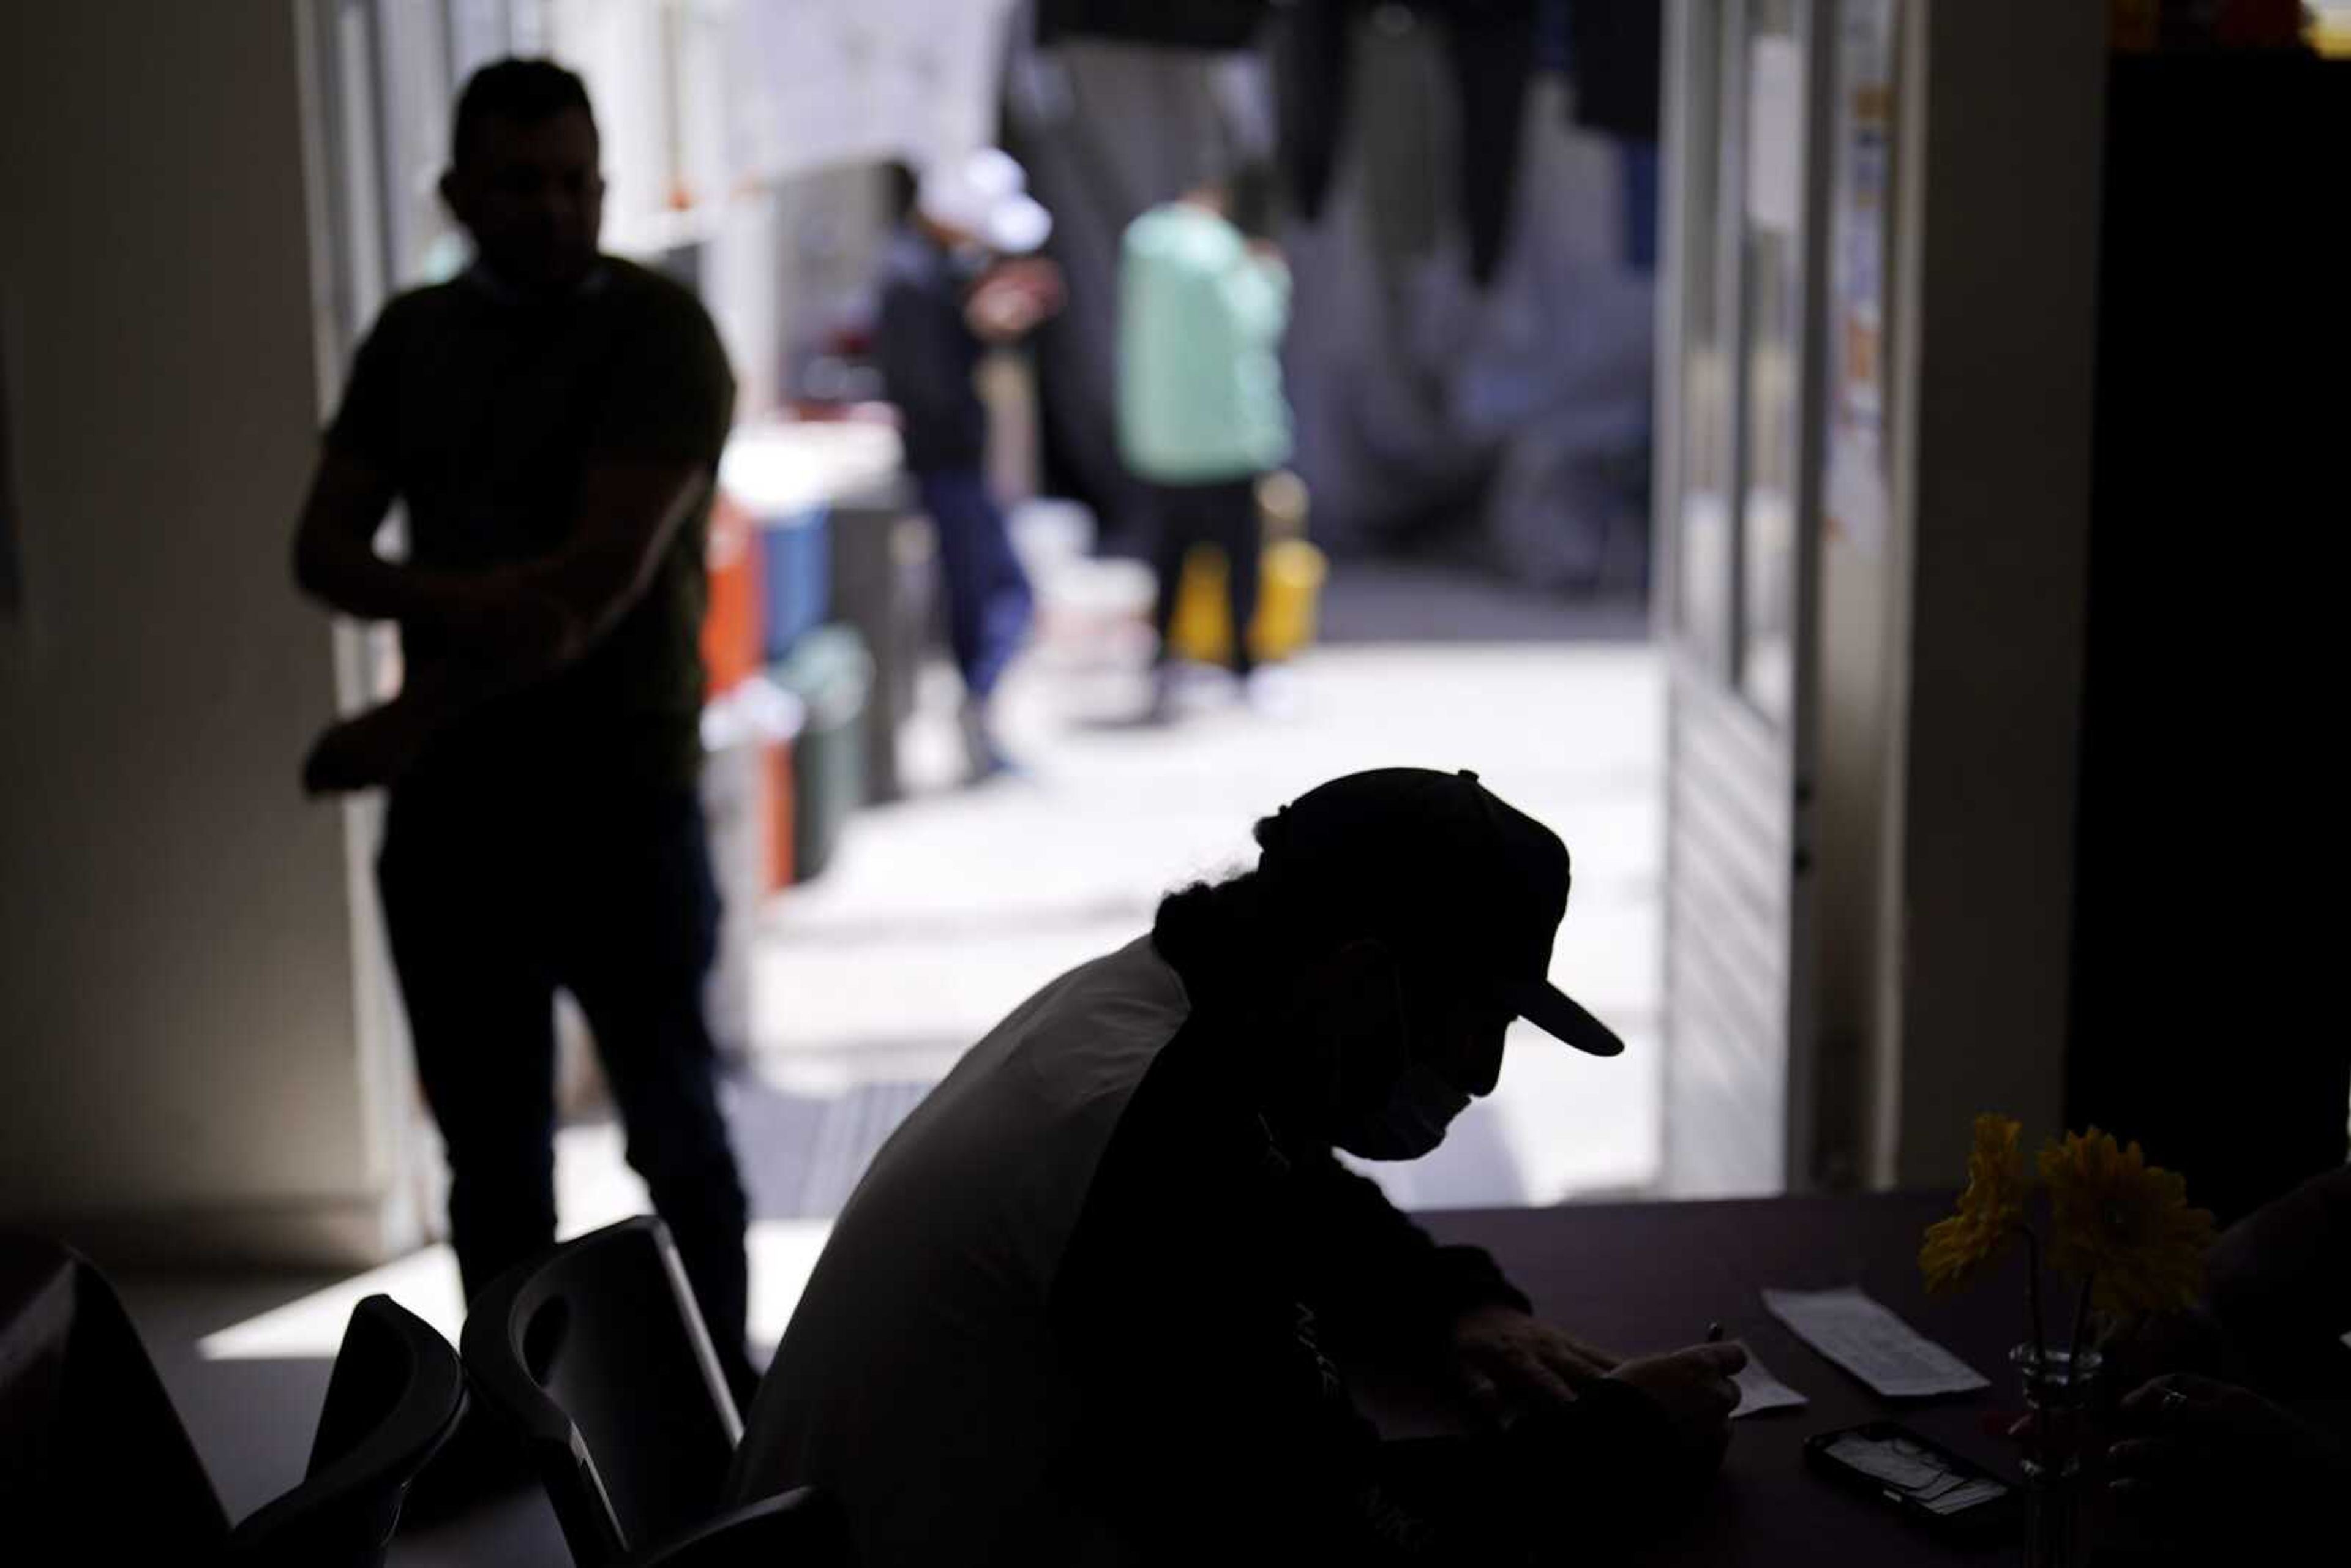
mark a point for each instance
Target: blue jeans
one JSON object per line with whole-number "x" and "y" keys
{"x": 490, "y": 906}
{"x": 988, "y": 600}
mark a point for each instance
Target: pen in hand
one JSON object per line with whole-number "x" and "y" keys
{"x": 1714, "y": 1336}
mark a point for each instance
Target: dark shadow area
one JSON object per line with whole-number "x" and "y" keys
{"x": 2200, "y": 983}
{"x": 1373, "y": 600}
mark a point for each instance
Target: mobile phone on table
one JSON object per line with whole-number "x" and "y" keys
{"x": 1932, "y": 1485}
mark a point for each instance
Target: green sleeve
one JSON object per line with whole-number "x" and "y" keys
{"x": 1257, "y": 292}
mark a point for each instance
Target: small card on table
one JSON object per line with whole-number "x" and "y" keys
{"x": 1759, "y": 1391}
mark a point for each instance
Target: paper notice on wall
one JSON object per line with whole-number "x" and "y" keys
{"x": 1863, "y": 1337}
{"x": 821, "y": 82}
{"x": 1859, "y": 500}
{"x": 1775, "y": 134}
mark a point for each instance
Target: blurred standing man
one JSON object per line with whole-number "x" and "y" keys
{"x": 552, "y": 420}
{"x": 1202, "y": 307}
{"x": 959, "y": 278}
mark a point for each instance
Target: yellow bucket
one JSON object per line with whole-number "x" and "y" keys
{"x": 1290, "y": 588}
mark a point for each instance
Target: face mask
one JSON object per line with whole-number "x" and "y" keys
{"x": 1420, "y": 1106}
{"x": 968, "y": 260}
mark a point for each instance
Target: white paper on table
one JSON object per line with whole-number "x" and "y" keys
{"x": 1868, "y": 1341}
{"x": 1759, "y": 1391}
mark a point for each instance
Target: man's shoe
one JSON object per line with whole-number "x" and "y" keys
{"x": 984, "y": 759}
{"x": 1269, "y": 690}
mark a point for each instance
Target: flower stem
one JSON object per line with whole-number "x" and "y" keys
{"x": 2081, "y": 1327}
{"x": 2032, "y": 1293}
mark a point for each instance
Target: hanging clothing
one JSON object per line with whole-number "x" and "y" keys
{"x": 1218, "y": 25}
{"x": 1614, "y": 51}
{"x": 1617, "y": 57}
{"x": 1490, "y": 50}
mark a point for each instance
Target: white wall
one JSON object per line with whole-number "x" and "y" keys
{"x": 2001, "y": 134}
{"x": 180, "y": 1058}
{"x": 1857, "y": 751}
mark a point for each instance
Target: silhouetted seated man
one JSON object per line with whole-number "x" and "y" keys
{"x": 2281, "y": 1291}
{"x": 2221, "y": 1473}
{"x": 1087, "y": 1304}
{"x": 2245, "y": 1445}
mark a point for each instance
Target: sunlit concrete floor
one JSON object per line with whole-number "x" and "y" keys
{"x": 942, "y": 910}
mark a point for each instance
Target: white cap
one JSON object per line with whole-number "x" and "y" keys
{"x": 985, "y": 194}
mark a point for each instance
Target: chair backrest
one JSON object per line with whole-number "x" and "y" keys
{"x": 394, "y": 1397}
{"x": 799, "y": 1529}
{"x": 597, "y": 1352}
{"x": 94, "y": 1462}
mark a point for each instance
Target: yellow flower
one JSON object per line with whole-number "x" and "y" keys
{"x": 2123, "y": 1224}
{"x": 1990, "y": 1211}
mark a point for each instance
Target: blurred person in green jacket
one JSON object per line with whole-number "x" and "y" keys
{"x": 1204, "y": 299}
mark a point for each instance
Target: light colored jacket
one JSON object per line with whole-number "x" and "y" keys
{"x": 1200, "y": 325}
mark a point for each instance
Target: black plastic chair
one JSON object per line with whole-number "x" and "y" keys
{"x": 396, "y": 1396}
{"x": 598, "y": 1355}
{"x": 803, "y": 1527}
{"x": 95, "y": 1465}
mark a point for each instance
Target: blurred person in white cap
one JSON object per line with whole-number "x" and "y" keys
{"x": 960, "y": 276}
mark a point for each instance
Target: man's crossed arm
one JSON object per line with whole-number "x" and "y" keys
{"x": 504, "y": 629}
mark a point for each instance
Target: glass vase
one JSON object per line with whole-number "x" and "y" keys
{"x": 2060, "y": 1389}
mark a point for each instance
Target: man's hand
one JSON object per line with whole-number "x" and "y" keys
{"x": 1509, "y": 1364}
{"x": 2213, "y": 1451}
{"x": 1693, "y": 1387}
{"x": 368, "y": 750}
{"x": 1014, "y": 298}
{"x": 511, "y": 623}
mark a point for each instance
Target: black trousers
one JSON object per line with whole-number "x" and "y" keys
{"x": 1223, "y": 513}
{"x": 489, "y": 908}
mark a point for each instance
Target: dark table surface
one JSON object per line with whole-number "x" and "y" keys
{"x": 1640, "y": 1277}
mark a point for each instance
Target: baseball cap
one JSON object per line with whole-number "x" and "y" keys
{"x": 1445, "y": 871}
{"x": 985, "y": 194}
